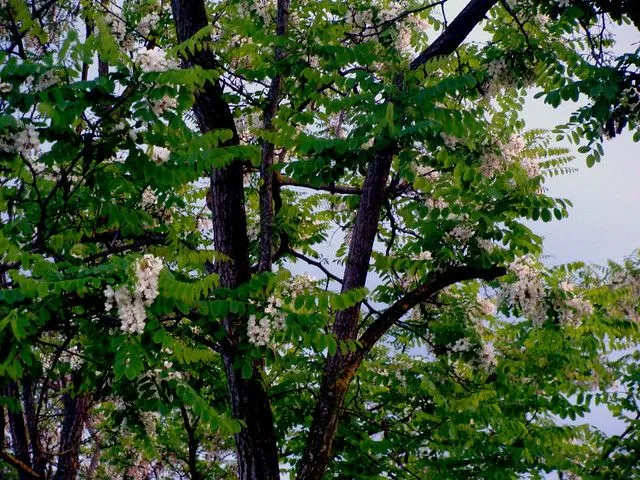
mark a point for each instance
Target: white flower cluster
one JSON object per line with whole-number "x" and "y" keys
{"x": 510, "y": 153}
{"x": 265, "y": 9}
{"x": 459, "y": 233}
{"x": 154, "y": 60}
{"x": 149, "y": 199}
{"x": 438, "y": 203}
{"x": 461, "y": 345}
{"x": 46, "y": 80}
{"x": 302, "y": 284}
{"x": 5, "y": 87}
{"x": 159, "y": 154}
{"x": 527, "y": 292}
{"x": 117, "y": 26}
{"x": 499, "y": 77}
{"x": 487, "y": 306}
{"x": 259, "y": 331}
{"x": 72, "y": 357}
{"x": 131, "y": 306}
{"x": 571, "y": 308}
{"x": 488, "y": 359}
{"x": 148, "y": 23}
{"x": 158, "y": 107}
{"x": 26, "y": 140}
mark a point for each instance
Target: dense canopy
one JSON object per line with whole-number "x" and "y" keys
{"x": 272, "y": 239}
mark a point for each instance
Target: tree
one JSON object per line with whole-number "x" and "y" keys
{"x": 165, "y": 168}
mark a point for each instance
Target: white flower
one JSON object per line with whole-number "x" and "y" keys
{"x": 258, "y": 331}
{"x": 426, "y": 255}
{"x": 488, "y": 357}
{"x": 149, "y": 198}
{"x": 131, "y": 306}
{"x": 165, "y": 103}
{"x": 117, "y": 26}
{"x": 531, "y": 167}
{"x": 5, "y": 87}
{"x": 47, "y": 80}
{"x": 459, "y": 233}
{"x": 153, "y": 60}
{"x": 148, "y": 23}
{"x": 487, "y": 306}
{"x": 302, "y": 284}
{"x": 527, "y": 292}
{"x": 27, "y": 140}
{"x": 461, "y": 345}
{"x": 160, "y": 154}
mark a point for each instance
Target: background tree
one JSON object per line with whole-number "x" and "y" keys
{"x": 165, "y": 166}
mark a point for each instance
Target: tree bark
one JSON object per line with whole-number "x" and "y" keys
{"x": 266, "y": 166}
{"x": 256, "y": 448}
{"x": 75, "y": 412}
{"x": 19, "y": 441}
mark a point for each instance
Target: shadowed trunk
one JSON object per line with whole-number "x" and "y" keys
{"x": 75, "y": 412}
{"x": 256, "y": 448}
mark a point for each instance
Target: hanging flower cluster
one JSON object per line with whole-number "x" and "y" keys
{"x": 154, "y": 60}
{"x": 510, "y": 152}
{"x": 527, "y": 292}
{"x": 570, "y": 307}
{"x": 131, "y": 305}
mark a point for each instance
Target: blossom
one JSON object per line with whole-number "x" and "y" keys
{"x": 148, "y": 23}
{"x": 258, "y": 331}
{"x": 153, "y": 60}
{"x": 117, "y": 27}
{"x": 48, "y": 79}
{"x": 459, "y": 233}
{"x": 160, "y": 154}
{"x": 488, "y": 357}
{"x": 131, "y": 305}
{"x": 5, "y": 87}
{"x": 301, "y": 284}
{"x": 487, "y": 306}
{"x": 149, "y": 199}
{"x": 165, "y": 103}
{"x": 461, "y": 345}
{"x": 27, "y": 140}
{"x": 527, "y": 292}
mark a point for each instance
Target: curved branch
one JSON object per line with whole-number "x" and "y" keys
{"x": 437, "y": 282}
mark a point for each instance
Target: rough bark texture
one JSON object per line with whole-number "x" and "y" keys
{"x": 256, "y": 443}
{"x": 76, "y": 410}
{"x": 19, "y": 441}
{"x": 266, "y": 171}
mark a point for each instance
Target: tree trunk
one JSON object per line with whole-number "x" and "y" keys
{"x": 341, "y": 368}
{"x": 75, "y": 412}
{"x": 256, "y": 448}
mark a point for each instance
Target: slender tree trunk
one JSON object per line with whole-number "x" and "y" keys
{"x": 256, "y": 447}
{"x": 39, "y": 461}
{"x": 19, "y": 441}
{"x": 75, "y": 412}
{"x": 341, "y": 368}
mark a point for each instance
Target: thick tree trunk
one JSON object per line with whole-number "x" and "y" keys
{"x": 256, "y": 447}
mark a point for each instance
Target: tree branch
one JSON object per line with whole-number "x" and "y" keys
{"x": 437, "y": 282}
{"x": 455, "y": 33}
